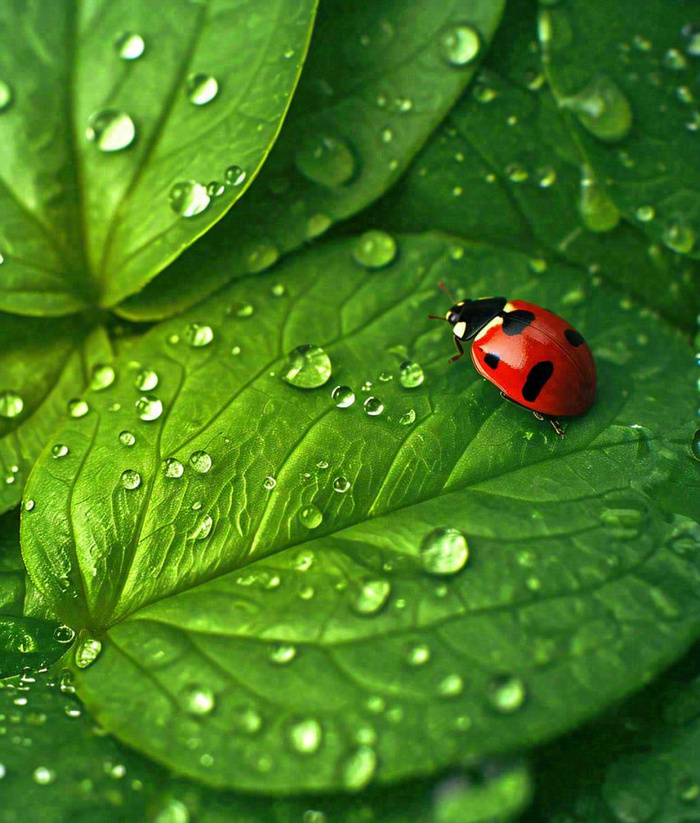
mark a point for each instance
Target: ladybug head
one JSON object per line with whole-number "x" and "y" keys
{"x": 469, "y": 316}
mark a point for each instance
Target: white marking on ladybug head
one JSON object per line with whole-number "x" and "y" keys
{"x": 497, "y": 321}
{"x": 448, "y": 314}
{"x": 460, "y": 329}
{"x": 509, "y": 307}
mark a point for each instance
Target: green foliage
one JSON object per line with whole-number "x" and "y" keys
{"x": 297, "y": 567}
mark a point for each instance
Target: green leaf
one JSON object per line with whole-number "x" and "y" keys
{"x": 44, "y": 364}
{"x": 294, "y": 609}
{"x": 505, "y": 168}
{"x": 113, "y": 110}
{"x": 378, "y": 80}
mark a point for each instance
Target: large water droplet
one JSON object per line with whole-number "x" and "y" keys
{"x": 344, "y": 396}
{"x": 507, "y": 693}
{"x": 146, "y": 380}
{"x": 201, "y": 88}
{"x": 87, "y": 651}
{"x": 307, "y": 367}
{"x": 11, "y": 404}
{"x": 375, "y": 249}
{"x": 102, "y": 377}
{"x": 111, "y": 130}
{"x": 63, "y": 634}
{"x": 198, "y": 700}
{"x": 459, "y": 44}
{"x": 59, "y": 450}
{"x": 200, "y": 461}
{"x": 411, "y": 374}
{"x": 359, "y": 768}
{"x": 203, "y": 528}
{"x": 305, "y": 736}
{"x": 310, "y": 516}
{"x": 149, "y": 407}
{"x": 5, "y": 95}
{"x": 326, "y": 160}
{"x": 199, "y": 335}
{"x": 602, "y": 109}
{"x": 341, "y": 484}
{"x": 130, "y": 479}
{"x": 371, "y": 597}
{"x": 597, "y": 210}
{"x": 189, "y": 198}
{"x": 130, "y": 46}
{"x": 173, "y": 468}
{"x": 444, "y": 551}
{"x": 126, "y": 438}
{"x": 78, "y": 407}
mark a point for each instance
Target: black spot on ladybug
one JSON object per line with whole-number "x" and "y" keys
{"x": 516, "y": 321}
{"x": 574, "y": 337}
{"x": 492, "y": 360}
{"x": 537, "y": 377}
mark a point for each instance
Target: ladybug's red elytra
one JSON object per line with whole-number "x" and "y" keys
{"x": 537, "y": 359}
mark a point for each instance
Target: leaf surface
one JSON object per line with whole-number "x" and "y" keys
{"x": 115, "y": 119}
{"x": 296, "y": 609}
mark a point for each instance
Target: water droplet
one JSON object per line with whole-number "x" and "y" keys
{"x": 269, "y": 483}
{"x": 126, "y": 438}
{"x": 418, "y": 655}
{"x": 408, "y": 418}
{"x": 130, "y": 479}
{"x": 78, "y": 407}
{"x": 148, "y": 407}
{"x": 29, "y": 505}
{"x": 203, "y": 528}
{"x": 130, "y": 46}
{"x": 326, "y": 160}
{"x": 261, "y": 257}
{"x": 87, "y": 651}
{"x": 60, "y": 450}
{"x": 341, "y": 484}
{"x": 444, "y": 551}
{"x": 317, "y": 224}
{"x": 11, "y": 404}
{"x": 344, "y": 396}
{"x": 506, "y": 693}
{"x": 678, "y": 235}
{"x": 43, "y": 776}
{"x": 359, "y": 768}
{"x": 198, "y": 700}
{"x": 450, "y": 686}
{"x": 516, "y": 173}
{"x": 102, "y": 377}
{"x": 373, "y": 406}
{"x": 215, "y": 189}
{"x": 63, "y": 634}
{"x": 282, "y": 653}
{"x": 387, "y": 135}
{"x": 5, "y": 95}
{"x": 375, "y": 249}
{"x": 310, "y": 516}
{"x": 690, "y": 34}
{"x": 602, "y": 109}
{"x": 674, "y": 60}
{"x": 201, "y": 88}
{"x": 371, "y": 597}
{"x": 199, "y": 335}
{"x": 111, "y": 130}
{"x": 200, "y": 461}
{"x": 305, "y": 736}
{"x": 546, "y": 177}
{"x": 234, "y": 176}
{"x": 146, "y": 380}
{"x": 307, "y": 367}
{"x": 645, "y": 213}
{"x": 278, "y": 290}
{"x": 173, "y": 468}
{"x": 459, "y": 44}
{"x": 189, "y": 198}
{"x": 597, "y": 210}
{"x": 411, "y": 374}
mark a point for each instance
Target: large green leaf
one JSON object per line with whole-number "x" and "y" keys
{"x": 379, "y": 78}
{"x": 507, "y": 164}
{"x": 44, "y": 364}
{"x": 300, "y": 614}
{"x": 110, "y": 114}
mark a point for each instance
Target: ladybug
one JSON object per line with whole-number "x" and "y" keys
{"x": 537, "y": 359}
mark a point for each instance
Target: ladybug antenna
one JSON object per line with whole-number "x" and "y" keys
{"x": 437, "y": 317}
{"x": 444, "y": 288}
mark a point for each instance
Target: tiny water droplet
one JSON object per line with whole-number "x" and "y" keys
{"x": 60, "y": 450}
{"x": 149, "y": 407}
{"x": 63, "y": 634}
{"x": 597, "y": 210}
{"x": 674, "y": 60}
{"x": 203, "y": 528}
{"x": 29, "y": 505}
{"x": 199, "y": 335}
{"x": 269, "y": 483}
{"x": 359, "y": 768}
{"x": 326, "y": 160}
{"x": 678, "y": 235}
{"x": 126, "y": 438}
{"x": 307, "y": 367}
{"x": 373, "y": 406}
{"x": 189, "y": 198}
{"x": 418, "y": 655}
{"x": 546, "y": 176}
{"x": 5, "y": 95}
{"x": 102, "y": 377}
{"x": 341, "y": 484}
{"x": 130, "y": 479}
{"x": 371, "y": 597}
{"x": 43, "y": 776}
{"x": 11, "y": 404}
{"x": 260, "y": 257}
{"x": 87, "y": 651}
{"x": 344, "y": 396}
{"x": 198, "y": 700}
{"x": 111, "y": 130}
{"x": 310, "y": 516}
{"x": 241, "y": 310}
{"x": 173, "y": 468}
{"x": 278, "y": 290}
{"x": 602, "y": 109}
{"x": 690, "y": 34}
{"x": 146, "y": 380}
{"x": 516, "y": 173}
{"x": 411, "y": 375}
{"x": 78, "y": 407}
{"x": 645, "y": 214}
{"x": 450, "y": 686}
{"x": 305, "y": 736}
{"x": 407, "y": 418}
{"x": 459, "y": 44}
{"x": 130, "y": 46}
{"x": 444, "y": 551}
{"x": 506, "y": 694}
{"x": 282, "y": 653}
{"x": 201, "y": 88}
{"x": 215, "y": 189}
{"x": 375, "y": 249}
{"x": 200, "y": 461}
{"x": 234, "y": 176}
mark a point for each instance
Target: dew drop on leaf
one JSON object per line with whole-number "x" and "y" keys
{"x": 215, "y": 189}
{"x": 29, "y": 505}
{"x": 102, "y": 377}
{"x": 451, "y": 686}
{"x": 343, "y": 396}
{"x": 234, "y": 176}
{"x": 307, "y": 367}
{"x": 5, "y": 95}
{"x": 371, "y": 597}
{"x": 506, "y": 694}
{"x": 200, "y": 461}
{"x": 189, "y": 198}
{"x": 690, "y": 34}
{"x": 11, "y": 404}
{"x": 173, "y": 468}
{"x": 111, "y": 130}
{"x": 645, "y": 213}
{"x": 199, "y": 335}
{"x": 260, "y": 257}
{"x": 77, "y": 407}
{"x": 269, "y": 483}
{"x": 310, "y": 516}
{"x": 418, "y": 655}
{"x": 341, "y": 484}
{"x": 444, "y": 551}
{"x": 59, "y": 450}
{"x": 242, "y": 310}
{"x": 359, "y": 768}
{"x": 43, "y": 776}
{"x": 63, "y": 634}
{"x": 459, "y": 44}
{"x": 597, "y": 210}
{"x": 201, "y": 88}
{"x": 602, "y": 109}
{"x": 305, "y": 736}
{"x": 87, "y": 651}
{"x": 278, "y": 290}
{"x": 678, "y": 235}
{"x": 407, "y": 418}
{"x": 130, "y": 46}
{"x": 375, "y": 249}
{"x": 325, "y": 159}
{"x": 411, "y": 374}
{"x": 203, "y": 528}
{"x": 198, "y": 700}
{"x": 130, "y": 479}
{"x": 146, "y": 380}
{"x": 373, "y": 406}
{"x": 282, "y": 653}
{"x": 149, "y": 407}
{"x": 126, "y": 438}
{"x": 317, "y": 224}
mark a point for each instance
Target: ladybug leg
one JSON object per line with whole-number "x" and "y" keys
{"x": 460, "y": 351}
{"x": 555, "y": 423}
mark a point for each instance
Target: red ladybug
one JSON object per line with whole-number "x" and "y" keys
{"x": 535, "y": 357}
